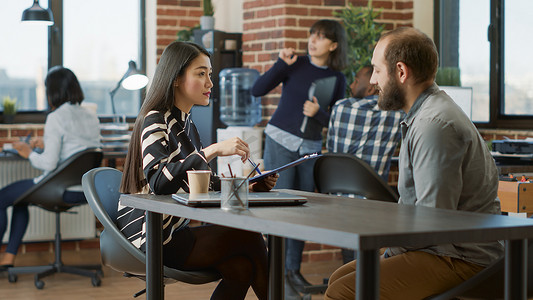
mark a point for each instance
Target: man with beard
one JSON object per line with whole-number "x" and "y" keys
{"x": 443, "y": 163}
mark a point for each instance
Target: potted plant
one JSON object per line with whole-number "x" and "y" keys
{"x": 362, "y": 34}
{"x": 187, "y": 34}
{"x": 10, "y": 109}
{"x": 207, "y": 21}
{"x": 448, "y": 76}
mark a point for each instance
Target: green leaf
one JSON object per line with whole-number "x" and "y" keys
{"x": 362, "y": 35}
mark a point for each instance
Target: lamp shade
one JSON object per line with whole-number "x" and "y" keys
{"x": 37, "y": 14}
{"x": 133, "y": 79}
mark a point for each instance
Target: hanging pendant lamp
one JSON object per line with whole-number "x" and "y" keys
{"x": 38, "y": 14}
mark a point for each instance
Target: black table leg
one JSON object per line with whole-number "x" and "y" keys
{"x": 276, "y": 261}
{"x": 515, "y": 269}
{"x": 154, "y": 256}
{"x": 367, "y": 275}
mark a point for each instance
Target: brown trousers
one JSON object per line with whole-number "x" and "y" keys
{"x": 412, "y": 275}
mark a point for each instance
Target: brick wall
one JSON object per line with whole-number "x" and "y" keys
{"x": 173, "y": 16}
{"x": 271, "y": 25}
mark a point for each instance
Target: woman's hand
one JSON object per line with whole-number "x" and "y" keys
{"x": 311, "y": 107}
{"x": 37, "y": 143}
{"x": 22, "y": 148}
{"x": 288, "y": 55}
{"x": 265, "y": 184}
{"x": 233, "y": 146}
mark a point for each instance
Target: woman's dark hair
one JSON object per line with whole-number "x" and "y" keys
{"x": 173, "y": 63}
{"x": 334, "y": 31}
{"x": 62, "y": 86}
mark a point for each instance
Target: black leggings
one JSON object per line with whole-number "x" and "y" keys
{"x": 239, "y": 256}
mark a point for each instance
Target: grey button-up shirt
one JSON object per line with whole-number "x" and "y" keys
{"x": 445, "y": 163}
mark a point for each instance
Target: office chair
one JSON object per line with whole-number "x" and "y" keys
{"x": 101, "y": 187}
{"x": 489, "y": 283}
{"x": 348, "y": 174}
{"x": 345, "y": 173}
{"x": 52, "y": 193}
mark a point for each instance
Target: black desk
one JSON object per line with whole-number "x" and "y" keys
{"x": 350, "y": 223}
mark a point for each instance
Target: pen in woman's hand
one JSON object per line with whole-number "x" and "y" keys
{"x": 255, "y": 166}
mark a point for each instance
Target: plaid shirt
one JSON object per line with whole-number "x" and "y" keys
{"x": 359, "y": 127}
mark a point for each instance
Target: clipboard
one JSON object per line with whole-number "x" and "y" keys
{"x": 284, "y": 167}
{"x": 322, "y": 89}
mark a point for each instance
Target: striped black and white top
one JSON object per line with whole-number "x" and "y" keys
{"x": 170, "y": 146}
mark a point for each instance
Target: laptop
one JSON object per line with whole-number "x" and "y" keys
{"x": 212, "y": 199}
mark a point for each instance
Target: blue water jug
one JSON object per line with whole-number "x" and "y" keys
{"x": 237, "y": 105}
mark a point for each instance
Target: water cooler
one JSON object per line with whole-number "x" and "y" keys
{"x": 240, "y": 111}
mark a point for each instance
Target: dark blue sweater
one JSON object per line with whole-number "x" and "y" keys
{"x": 297, "y": 79}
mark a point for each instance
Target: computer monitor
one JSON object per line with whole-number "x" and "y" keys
{"x": 462, "y": 96}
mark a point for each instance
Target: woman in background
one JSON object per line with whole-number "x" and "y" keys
{"x": 69, "y": 128}
{"x": 164, "y": 145}
{"x": 286, "y": 138}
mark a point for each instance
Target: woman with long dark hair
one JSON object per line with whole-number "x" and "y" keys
{"x": 164, "y": 145}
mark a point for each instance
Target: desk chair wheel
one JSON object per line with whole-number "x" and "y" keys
{"x": 100, "y": 273}
{"x": 12, "y": 278}
{"x": 39, "y": 284}
{"x": 96, "y": 281}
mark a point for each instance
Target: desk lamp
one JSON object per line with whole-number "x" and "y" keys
{"x": 132, "y": 80}
{"x": 38, "y": 14}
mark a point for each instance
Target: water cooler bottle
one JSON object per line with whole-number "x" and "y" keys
{"x": 240, "y": 111}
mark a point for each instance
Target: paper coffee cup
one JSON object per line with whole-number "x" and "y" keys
{"x": 198, "y": 181}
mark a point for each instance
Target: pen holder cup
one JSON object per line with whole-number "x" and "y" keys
{"x": 234, "y": 193}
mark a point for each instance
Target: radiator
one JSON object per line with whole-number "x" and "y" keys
{"x": 42, "y": 226}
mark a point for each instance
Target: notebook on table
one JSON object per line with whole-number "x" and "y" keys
{"x": 212, "y": 199}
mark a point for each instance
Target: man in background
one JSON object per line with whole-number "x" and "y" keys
{"x": 357, "y": 126}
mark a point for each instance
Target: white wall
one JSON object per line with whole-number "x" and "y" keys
{"x": 423, "y": 16}
{"x": 151, "y": 38}
{"x": 228, "y": 15}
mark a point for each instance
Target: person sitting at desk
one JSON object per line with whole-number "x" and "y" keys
{"x": 68, "y": 129}
{"x": 443, "y": 163}
{"x": 357, "y": 126}
{"x": 164, "y": 145}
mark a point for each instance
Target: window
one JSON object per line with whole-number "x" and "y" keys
{"x": 23, "y": 57}
{"x": 518, "y": 60}
{"x": 96, "y": 46}
{"x": 487, "y": 41}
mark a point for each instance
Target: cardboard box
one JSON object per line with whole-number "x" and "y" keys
{"x": 516, "y": 196}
